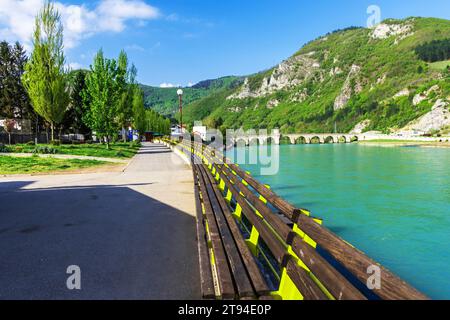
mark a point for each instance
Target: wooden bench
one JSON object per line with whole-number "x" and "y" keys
{"x": 248, "y": 250}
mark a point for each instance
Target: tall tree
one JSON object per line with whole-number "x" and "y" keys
{"x": 46, "y": 76}
{"x": 156, "y": 123}
{"x": 101, "y": 96}
{"x": 125, "y": 82}
{"x": 139, "y": 120}
{"x": 6, "y": 94}
{"x": 22, "y": 101}
{"x": 73, "y": 118}
{"x": 14, "y": 101}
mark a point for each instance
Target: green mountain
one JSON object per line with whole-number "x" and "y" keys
{"x": 356, "y": 79}
{"x": 165, "y": 100}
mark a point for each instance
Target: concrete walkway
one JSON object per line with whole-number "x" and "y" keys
{"x": 131, "y": 233}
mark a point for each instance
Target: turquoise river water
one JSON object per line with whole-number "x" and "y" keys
{"x": 393, "y": 203}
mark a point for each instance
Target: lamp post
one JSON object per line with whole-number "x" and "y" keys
{"x": 180, "y": 96}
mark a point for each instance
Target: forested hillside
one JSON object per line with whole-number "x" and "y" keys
{"x": 356, "y": 79}
{"x": 165, "y": 100}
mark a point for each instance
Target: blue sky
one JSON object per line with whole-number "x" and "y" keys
{"x": 177, "y": 42}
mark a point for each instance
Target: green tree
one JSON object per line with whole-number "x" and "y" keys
{"x": 166, "y": 127}
{"x": 125, "y": 92}
{"x": 139, "y": 118}
{"x": 22, "y": 101}
{"x": 6, "y": 80}
{"x": 101, "y": 97}
{"x": 14, "y": 101}
{"x": 156, "y": 123}
{"x": 73, "y": 119}
{"x": 45, "y": 75}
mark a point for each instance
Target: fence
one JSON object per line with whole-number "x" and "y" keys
{"x": 17, "y": 138}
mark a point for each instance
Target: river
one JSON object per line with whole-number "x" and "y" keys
{"x": 393, "y": 203}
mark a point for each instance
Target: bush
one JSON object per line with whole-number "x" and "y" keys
{"x": 45, "y": 150}
{"x": 76, "y": 142}
{"x": 89, "y": 142}
{"x": 30, "y": 143}
{"x": 4, "y": 149}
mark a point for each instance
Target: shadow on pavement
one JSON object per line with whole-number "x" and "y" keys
{"x": 128, "y": 245}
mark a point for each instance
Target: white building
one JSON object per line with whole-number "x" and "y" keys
{"x": 176, "y": 131}
{"x": 200, "y": 131}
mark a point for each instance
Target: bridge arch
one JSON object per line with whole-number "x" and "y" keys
{"x": 253, "y": 141}
{"x": 285, "y": 140}
{"x": 328, "y": 140}
{"x": 354, "y": 139}
{"x": 315, "y": 140}
{"x": 301, "y": 140}
{"x": 240, "y": 142}
{"x": 342, "y": 139}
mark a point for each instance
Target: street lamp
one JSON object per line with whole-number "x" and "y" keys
{"x": 180, "y": 96}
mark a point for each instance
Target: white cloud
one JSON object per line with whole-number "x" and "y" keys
{"x": 190, "y": 84}
{"x": 134, "y": 47}
{"x": 168, "y": 85}
{"x": 75, "y": 66}
{"x": 80, "y": 21}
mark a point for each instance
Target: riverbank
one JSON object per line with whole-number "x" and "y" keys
{"x": 405, "y": 143}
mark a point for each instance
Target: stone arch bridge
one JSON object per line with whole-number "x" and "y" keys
{"x": 300, "y": 138}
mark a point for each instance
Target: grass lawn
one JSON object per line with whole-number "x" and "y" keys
{"x": 28, "y": 165}
{"x": 439, "y": 65}
{"x": 117, "y": 150}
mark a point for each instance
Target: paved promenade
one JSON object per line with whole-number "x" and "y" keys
{"x": 132, "y": 233}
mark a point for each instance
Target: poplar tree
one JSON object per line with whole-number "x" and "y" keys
{"x": 124, "y": 105}
{"x": 139, "y": 118}
{"x": 101, "y": 97}
{"x": 45, "y": 75}
{"x": 126, "y": 81}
